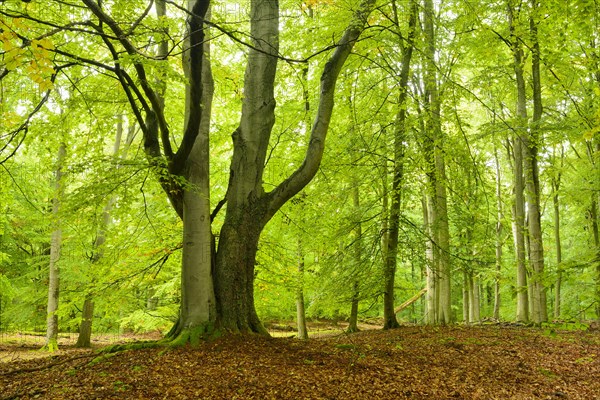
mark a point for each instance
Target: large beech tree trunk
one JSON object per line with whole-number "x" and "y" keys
{"x": 218, "y": 280}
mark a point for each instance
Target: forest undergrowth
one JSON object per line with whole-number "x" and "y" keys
{"x": 481, "y": 362}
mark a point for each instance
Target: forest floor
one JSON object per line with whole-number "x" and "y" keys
{"x": 481, "y": 362}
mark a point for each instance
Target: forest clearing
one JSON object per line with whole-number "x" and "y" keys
{"x": 481, "y": 362}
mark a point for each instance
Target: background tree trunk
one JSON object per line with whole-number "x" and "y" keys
{"x": 499, "y": 238}
{"x": 519, "y": 184}
{"x": 300, "y": 310}
{"x": 439, "y": 222}
{"x": 55, "y": 246}
{"x": 532, "y": 182}
{"x": 358, "y": 259}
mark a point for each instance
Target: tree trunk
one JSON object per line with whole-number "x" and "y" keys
{"x": 358, "y": 261}
{"x": 440, "y": 220}
{"x": 532, "y": 186}
{"x": 474, "y": 299}
{"x": 55, "y": 247}
{"x": 431, "y": 281}
{"x": 198, "y": 311}
{"x": 519, "y": 184}
{"x": 499, "y": 239}
{"x": 84, "y": 339}
{"x": 466, "y": 298}
{"x": 300, "y": 310}
{"x": 556, "y": 181}
{"x": 389, "y": 316}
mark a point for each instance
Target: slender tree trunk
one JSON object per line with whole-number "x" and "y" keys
{"x": 431, "y": 281}
{"x": 556, "y": 181}
{"x": 474, "y": 299}
{"x": 55, "y": 248}
{"x": 594, "y": 213}
{"x": 499, "y": 239}
{"x": 465, "y": 295}
{"x": 300, "y": 311}
{"x": 389, "y": 316}
{"x": 519, "y": 184}
{"x": 84, "y": 338}
{"x": 358, "y": 260}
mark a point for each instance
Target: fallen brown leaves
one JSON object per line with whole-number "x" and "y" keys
{"x": 491, "y": 362}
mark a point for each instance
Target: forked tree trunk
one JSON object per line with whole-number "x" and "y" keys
{"x": 55, "y": 249}
{"x": 249, "y": 208}
{"x": 474, "y": 299}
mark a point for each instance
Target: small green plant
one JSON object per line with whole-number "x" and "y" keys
{"x": 120, "y": 386}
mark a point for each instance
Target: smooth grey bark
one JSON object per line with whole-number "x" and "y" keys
{"x": 518, "y": 182}
{"x": 556, "y": 182}
{"x": 300, "y": 309}
{"x": 499, "y": 237}
{"x": 248, "y": 206}
{"x": 197, "y": 305}
{"x": 358, "y": 260}
{"x": 431, "y": 281}
{"x": 474, "y": 298}
{"x": 532, "y": 181}
{"x": 55, "y": 249}
{"x": 439, "y": 219}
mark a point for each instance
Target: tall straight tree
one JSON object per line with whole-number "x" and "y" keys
{"x": 518, "y": 179}
{"x": 400, "y": 127}
{"x": 438, "y": 216}
{"x": 55, "y": 250}
{"x": 532, "y": 179}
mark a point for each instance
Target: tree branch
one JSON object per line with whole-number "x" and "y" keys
{"x": 304, "y": 174}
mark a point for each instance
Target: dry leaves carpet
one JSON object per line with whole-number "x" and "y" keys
{"x": 492, "y": 362}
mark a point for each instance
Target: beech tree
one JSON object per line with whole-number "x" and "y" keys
{"x": 217, "y": 275}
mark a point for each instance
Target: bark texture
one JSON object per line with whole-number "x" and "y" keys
{"x": 55, "y": 247}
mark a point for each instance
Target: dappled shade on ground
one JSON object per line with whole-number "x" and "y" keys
{"x": 492, "y": 362}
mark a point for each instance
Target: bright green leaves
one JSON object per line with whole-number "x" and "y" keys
{"x": 34, "y": 58}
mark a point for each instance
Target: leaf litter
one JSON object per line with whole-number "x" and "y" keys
{"x": 482, "y": 362}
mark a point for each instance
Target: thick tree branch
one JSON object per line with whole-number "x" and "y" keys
{"x": 304, "y": 174}
{"x": 196, "y": 34}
